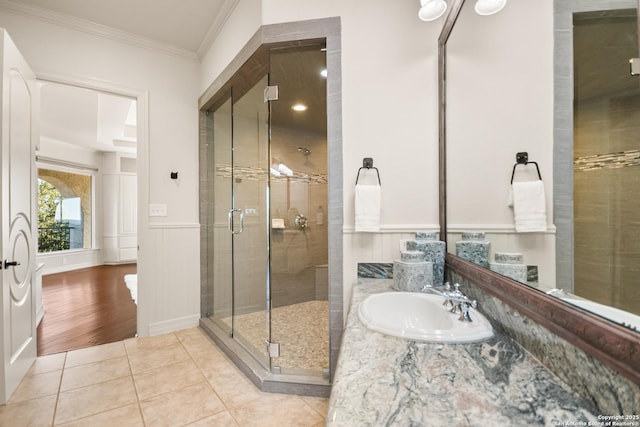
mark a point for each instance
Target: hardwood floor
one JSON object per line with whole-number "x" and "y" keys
{"x": 86, "y": 307}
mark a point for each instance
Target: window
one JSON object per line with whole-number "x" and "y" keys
{"x": 65, "y": 205}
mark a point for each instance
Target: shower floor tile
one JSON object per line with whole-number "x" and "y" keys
{"x": 302, "y": 330}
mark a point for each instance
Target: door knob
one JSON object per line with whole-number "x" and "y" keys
{"x": 10, "y": 263}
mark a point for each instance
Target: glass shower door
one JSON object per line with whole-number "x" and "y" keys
{"x": 249, "y": 220}
{"x": 219, "y": 297}
{"x": 299, "y": 200}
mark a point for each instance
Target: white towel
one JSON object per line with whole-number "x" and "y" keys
{"x": 368, "y": 208}
{"x": 529, "y": 206}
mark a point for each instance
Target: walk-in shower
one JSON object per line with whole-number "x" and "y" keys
{"x": 265, "y": 289}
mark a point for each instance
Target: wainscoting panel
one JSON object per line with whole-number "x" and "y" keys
{"x": 169, "y": 278}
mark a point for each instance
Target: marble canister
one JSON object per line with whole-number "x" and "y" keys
{"x": 434, "y": 251}
{"x": 412, "y": 273}
{"x": 510, "y": 265}
{"x": 475, "y": 248}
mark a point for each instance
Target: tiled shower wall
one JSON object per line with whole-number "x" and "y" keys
{"x": 299, "y": 257}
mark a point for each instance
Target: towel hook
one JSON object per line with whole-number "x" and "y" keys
{"x": 522, "y": 158}
{"x": 367, "y": 163}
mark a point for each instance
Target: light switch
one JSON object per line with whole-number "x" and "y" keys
{"x": 156, "y": 209}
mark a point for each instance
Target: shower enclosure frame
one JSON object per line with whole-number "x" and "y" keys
{"x": 267, "y": 37}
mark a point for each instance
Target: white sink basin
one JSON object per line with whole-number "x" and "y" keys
{"x": 421, "y": 317}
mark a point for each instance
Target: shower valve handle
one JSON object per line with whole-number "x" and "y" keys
{"x": 301, "y": 222}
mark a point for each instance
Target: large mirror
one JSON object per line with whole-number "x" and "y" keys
{"x": 577, "y": 118}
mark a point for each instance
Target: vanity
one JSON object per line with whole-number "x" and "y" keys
{"x": 385, "y": 380}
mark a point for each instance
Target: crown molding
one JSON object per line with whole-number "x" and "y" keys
{"x": 96, "y": 29}
{"x": 223, "y": 15}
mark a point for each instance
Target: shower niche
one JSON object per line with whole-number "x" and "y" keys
{"x": 265, "y": 293}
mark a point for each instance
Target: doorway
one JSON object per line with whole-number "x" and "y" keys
{"x": 87, "y": 208}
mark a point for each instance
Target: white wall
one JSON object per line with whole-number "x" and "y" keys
{"x": 239, "y": 28}
{"x": 168, "y": 264}
{"x": 389, "y": 95}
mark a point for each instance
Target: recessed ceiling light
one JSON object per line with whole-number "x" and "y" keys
{"x": 299, "y": 107}
{"x": 323, "y": 72}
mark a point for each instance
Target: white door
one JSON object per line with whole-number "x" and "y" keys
{"x": 17, "y": 242}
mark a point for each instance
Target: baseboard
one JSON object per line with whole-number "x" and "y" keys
{"x": 70, "y": 267}
{"x": 173, "y": 325}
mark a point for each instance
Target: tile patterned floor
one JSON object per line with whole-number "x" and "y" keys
{"x": 176, "y": 379}
{"x": 302, "y": 330}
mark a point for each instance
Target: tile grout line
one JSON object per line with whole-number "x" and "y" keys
{"x": 312, "y": 408}
{"x": 183, "y": 339}
{"x": 55, "y": 407}
{"x": 135, "y": 388}
{"x": 89, "y": 385}
{"x": 226, "y": 408}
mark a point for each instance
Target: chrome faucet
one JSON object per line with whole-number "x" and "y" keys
{"x": 457, "y": 301}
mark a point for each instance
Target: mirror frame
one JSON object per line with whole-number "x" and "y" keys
{"x": 606, "y": 341}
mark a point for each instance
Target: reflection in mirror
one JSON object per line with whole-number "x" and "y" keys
{"x": 606, "y": 167}
{"x": 594, "y": 159}
{"x": 489, "y": 59}
{"x": 495, "y": 67}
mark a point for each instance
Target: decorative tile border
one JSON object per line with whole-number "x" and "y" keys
{"x": 254, "y": 173}
{"x": 607, "y": 161}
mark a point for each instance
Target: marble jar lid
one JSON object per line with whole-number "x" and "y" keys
{"x": 475, "y": 236}
{"x": 412, "y": 256}
{"x": 509, "y": 258}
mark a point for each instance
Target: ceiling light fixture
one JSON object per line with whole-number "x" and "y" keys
{"x": 299, "y": 107}
{"x": 323, "y": 72}
{"x": 489, "y": 7}
{"x": 430, "y": 10}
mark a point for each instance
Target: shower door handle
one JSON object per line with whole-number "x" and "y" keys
{"x": 241, "y": 221}
{"x": 230, "y": 221}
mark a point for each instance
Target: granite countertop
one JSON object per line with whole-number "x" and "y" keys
{"x": 387, "y": 381}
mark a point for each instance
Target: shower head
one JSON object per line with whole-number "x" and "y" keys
{"x": 304, "y": 150}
